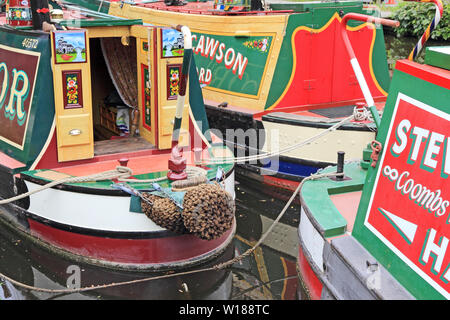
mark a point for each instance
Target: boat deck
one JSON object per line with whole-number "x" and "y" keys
{"x": 121, "y": 145}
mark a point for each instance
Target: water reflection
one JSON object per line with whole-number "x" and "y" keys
{"x": 269, "y": 273}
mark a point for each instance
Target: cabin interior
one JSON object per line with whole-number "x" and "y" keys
{"x": 113, "y": 135}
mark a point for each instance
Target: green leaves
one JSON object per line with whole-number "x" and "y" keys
{"x": 415, "y": 17}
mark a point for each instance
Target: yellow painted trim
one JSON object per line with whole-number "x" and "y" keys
{"x": 294, "y": 67}
{"x": 371, "y": 60}
{"x": 260, "y": 264}
{"x": 71, "y": 151}
{"x": 262, "y": 270}
{"x": 144, "y": 34}
{"x": 106, "y": 32}
{"x": 283, "y": 292}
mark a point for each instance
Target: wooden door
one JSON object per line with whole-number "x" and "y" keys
{"x": 73, "y": 101}
{"x": 147, "y": 82}
{"x": 169, "y": 62}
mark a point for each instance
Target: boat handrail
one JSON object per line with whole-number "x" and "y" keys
{"x": 187, "y": 56}
{"x": 354, "y": 62}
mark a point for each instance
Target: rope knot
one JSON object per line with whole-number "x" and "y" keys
{"x": 123, "y": 169}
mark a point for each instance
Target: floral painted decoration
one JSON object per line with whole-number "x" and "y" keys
{"x": 173, "y": 81}
{"x": 261, "y": 45}
{"x": 72, "y": 90}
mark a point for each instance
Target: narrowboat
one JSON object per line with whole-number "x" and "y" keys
{"x": 380, "y": 230}
{"x": 105, "y": 153}
{"x": 274, "y": 74}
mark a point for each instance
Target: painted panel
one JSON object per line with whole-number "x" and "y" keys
{"x": 70, "y": 46}
{"x": 73, "y": 101}
{"x": 28, "y": 53}
{"x": 172, "y": 44}
{"x": 173, "y": 79}
{"x": 404, "y": 213}
{"x": 18, "y": 70}
{"x": 146, "y": 97}
{"x": 229, "y": 63}
{"x": 73, "y": 89}
{"x": 409, "y": 208}
{"x": 321, "y": 70}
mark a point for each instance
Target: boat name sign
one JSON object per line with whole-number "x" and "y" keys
{"x": 231, "y": 63}
{"x": 409, "y": 205}
{"x": 18, "y": 69}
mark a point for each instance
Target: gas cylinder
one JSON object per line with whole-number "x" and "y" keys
{"x": 18, "y": 13}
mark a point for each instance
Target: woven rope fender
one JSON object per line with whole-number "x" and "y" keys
{"x": 208, "y": 211}
{"x": 164, "y": 213}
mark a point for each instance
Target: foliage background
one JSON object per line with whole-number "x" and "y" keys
{"x": 414, "y": 18}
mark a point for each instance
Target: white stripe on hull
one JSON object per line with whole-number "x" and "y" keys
{"x": 98, "y": 212}
{"x": 280, "y": 136}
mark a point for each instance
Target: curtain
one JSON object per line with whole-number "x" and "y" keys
{"x": 121, "y": 63}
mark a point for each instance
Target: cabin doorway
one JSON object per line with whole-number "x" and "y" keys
{"x": 114, "y": 81}
{"x": 127, "y": 86}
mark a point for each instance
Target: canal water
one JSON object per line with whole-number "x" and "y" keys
{"x": 269, "y": 273}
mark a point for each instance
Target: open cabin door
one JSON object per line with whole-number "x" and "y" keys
{"x": 73, "y": 103}
{"x": 147, "y": 83}
{"x": 159, "y": 66}
{"x": 169, "y": 48}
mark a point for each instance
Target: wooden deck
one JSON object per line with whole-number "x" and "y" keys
{"x": 121, "y": 145}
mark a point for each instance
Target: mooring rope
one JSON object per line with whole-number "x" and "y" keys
{"x": 279, "y": 152}
{"x": 122, "y": 173}
{"x": 191, "y": 171}
{"x": 118, "y": 173}
{"x": 216, "y": 267}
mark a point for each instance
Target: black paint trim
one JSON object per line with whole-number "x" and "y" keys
{"x": 311, "y": 124}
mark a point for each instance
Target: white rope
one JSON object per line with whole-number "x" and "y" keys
{"x": 192, "y": 172}
{"x": 120, "y": 172}
{"x": 276, "y": 153}
{"x": 361, "y": 114}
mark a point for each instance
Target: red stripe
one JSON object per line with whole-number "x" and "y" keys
{"x": 280, "y": 183}
{"x": 166, "y": 250}
{"x": 434, "y": 75}
{"x": 309, "y": 278}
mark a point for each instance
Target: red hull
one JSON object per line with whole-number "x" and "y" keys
{"x": 155, "y": 252}
{"x": 308, "y": 276}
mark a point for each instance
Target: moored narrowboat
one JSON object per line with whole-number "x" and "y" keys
{"x": 380, "y": 230}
